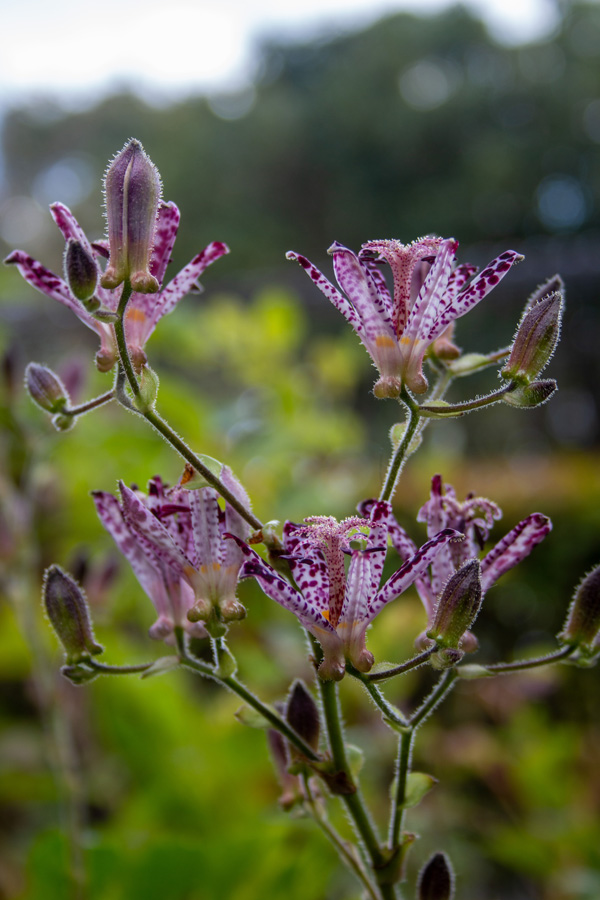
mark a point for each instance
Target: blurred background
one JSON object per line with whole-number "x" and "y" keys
{"x": 277, "y": 129}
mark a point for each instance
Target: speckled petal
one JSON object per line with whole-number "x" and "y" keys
{"x": 139, "y": 518}
{"x": 167, "y": 224}
{"x": 209, "y": 547}
{"x": 430, "y": 302}
{"x": 333, "y": 295}
{"x": 514, "y": 547}
{"x": 308, "y": 568}
{"x": 411, "y": 570}
{"x": 355, "y": 279}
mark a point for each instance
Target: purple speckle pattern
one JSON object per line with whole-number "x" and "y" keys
{"x": 429, "y": 294}
{"x": 514, "y": 547}
{"x": 144, "y": 311}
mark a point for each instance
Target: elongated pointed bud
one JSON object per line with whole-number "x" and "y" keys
{"x": 535, "y": 340}
{"x": 436, "y": 879}
{"x": 45, "y": 388}
{"x": 457, "y": 607}
{"x": 132, "y": 193}
{"x": 81, "y": 274}
{"x": 528, "y": 396}
{"x": 302, "y": 713}
{"x": 582, "y": 628}
{"x": 69, "y": 616}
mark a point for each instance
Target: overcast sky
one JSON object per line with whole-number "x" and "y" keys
{"x": 79, "y": 51}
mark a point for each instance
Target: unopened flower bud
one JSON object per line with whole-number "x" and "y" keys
{"x": 458, "y": 606}
{"x": 45, "y": 388}
{"x": 69, "y": 616}
{"x": 149, "y": 383}
{"x": 530, "y": 395}
{"x": 132, "y": 192}
{"x": 436, "y": 879}
{"x": 535, "y": 340}
{"x": 582, "y": 628}
{"x": 302, "y": 714}
{"x": 231, "y": 610}
{"x": 81, "y": 274}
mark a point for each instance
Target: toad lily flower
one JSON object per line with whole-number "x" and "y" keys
{"x": 144, "y": 310}
{"x": 473, "y": 518}
{"x": 334, "y": 605}
{"x": 173, "y": 540}
{"x": 428, "y": 295}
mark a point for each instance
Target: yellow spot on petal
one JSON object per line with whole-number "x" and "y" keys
{"x": 135, "y": 315}
{"x": 384, "y": 340}
{"x": 406, "y": 340}
{"x": 216, "y": 566}
{"x": 326, "y": 614}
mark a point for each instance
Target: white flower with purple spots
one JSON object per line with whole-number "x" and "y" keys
{"x": 473, "y": 518}
{"x": 337, "y": 605}
{"x": 144, "y": 311}
{"x": 173, "y": 540}
{"x": 428, "y": 295}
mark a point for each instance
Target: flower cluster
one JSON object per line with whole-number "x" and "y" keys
{"x": 335, "y": 605}
{"x": 145, "y": 307}
{"x": 428, "y": 295}
{"x": 173, "y": 540}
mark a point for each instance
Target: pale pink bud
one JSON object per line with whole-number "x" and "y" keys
{"x": 45, "y": 388}
{"x": 132, "y": 192}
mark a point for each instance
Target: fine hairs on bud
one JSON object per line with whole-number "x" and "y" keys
{"x": 582, "y": 628}
{"x": 67, "y": 609}
{"x": 302, "y": 713}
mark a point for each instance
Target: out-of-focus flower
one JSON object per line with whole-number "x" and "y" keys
{"x": 173, "y": 540}
{"x": 473, "y": 518}
{"x": 428, "y": 295}
{"x": 69, "y": 615}
{"x": 144, "y": 311}
{"x": 582, "y": 628}
{"x": 335, "y": 606}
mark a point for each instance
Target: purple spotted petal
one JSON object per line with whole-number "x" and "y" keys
{"x": 209, "y": 547}
{"x": 145, "y": 571}
{"x": 166, "y": 231}
{"x": 308, "y": 568}
{"x": 69, "y": 226}
{"x": 45, "y": 281}
{"x": 187, "y": 279}
{"x": 356, "y": 281}
{"x": 333, "y": 295}
{"x": 141, "y": 519}
{"x": 358, "y": 589}
{"x": 281, "y": 591}
{"x": 426, "y": 312}
{"x": 411, "y": 570}
{"x": 493, "y": 273}
{"x": 514, "y": 547}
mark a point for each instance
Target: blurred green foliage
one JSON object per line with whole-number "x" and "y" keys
{"x": 169, "y": 795}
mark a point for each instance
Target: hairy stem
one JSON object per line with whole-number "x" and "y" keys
{"x": 413, "y": 663}
{"x": 405, "y": 745}
{"x": 522, "y": 664}
{"x": 457, "y": 409}
{"x": 91, "y": 404}
{"x": 401, "y": 453}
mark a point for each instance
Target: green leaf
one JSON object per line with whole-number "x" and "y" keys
{"x": 397, "y": 433}
{"x": 471, "y": 672}
{"x": 356, "y": 758}
{"x": 161, "y": 666}
{"x": 195, "y": 480}
{"x": 417, "y": 785}
{"x": 468, "y": 363}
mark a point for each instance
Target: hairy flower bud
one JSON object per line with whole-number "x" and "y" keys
{"x": 132, "y": 192}
{"x": 69, "y": 616}
{"x": 81, "y": 274}
{"x": 45, "y": 388}
{"x": 302, "y": 714}
{"x": 436, "y": 879}
{"x": 458, "y": 606}
{"x": 530, "y": 395}
{"x": 582, "y": 628}
{"x": 535, "y": 340}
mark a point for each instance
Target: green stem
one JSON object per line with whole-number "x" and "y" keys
{"x": 349, "y": 858}
{"x": 413, "y": 663}
{"x": 442, "y": 688}
{"x": 231, "y": 682}
{"x": 401, "y": 454}
{"x": 161, "y": 426}
{"x": 458, "y": 409}
{"x": 389, "y": 711}
{"x": 405, "y": 745}
{"x": 91, "y": 404}
{"x": 520, "y": 665}
{"x": 354, "y": 802}
{"x": 117, "y": 670}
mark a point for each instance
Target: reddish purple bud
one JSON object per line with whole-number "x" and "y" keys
{"x": 582, "y": 628}
{"x": 45, "y": 388}
{"x": 69, "y": 616}
{"x": 436, "y": 879}
{"x": 132, "y": 192}
{"x": 302, "y": 714}
{"x": 81, "y": 274}
{"x": 457, "y": 606}
{"x": 535, "y": 340}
